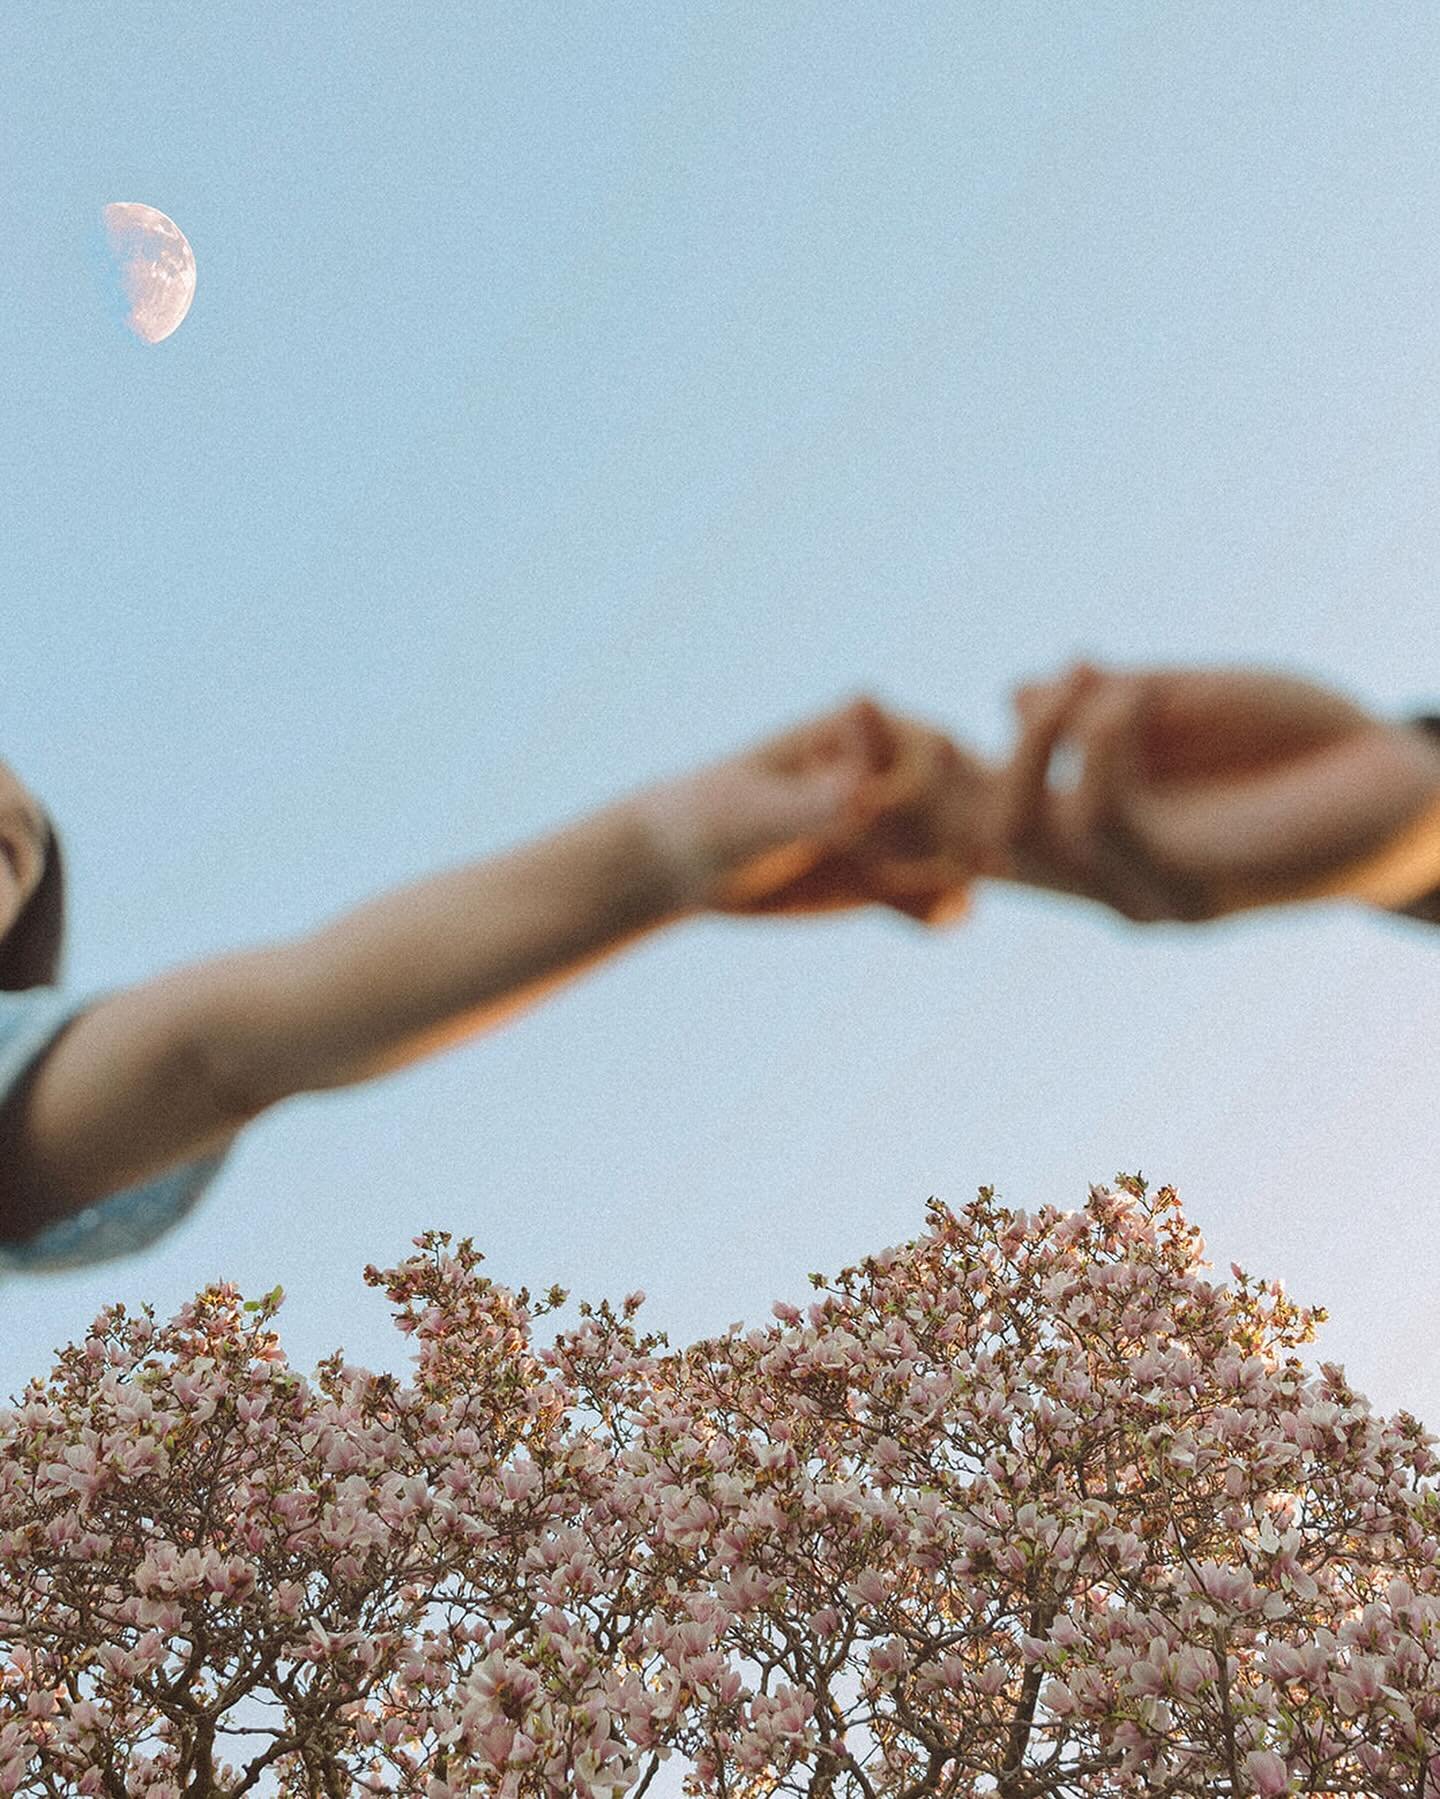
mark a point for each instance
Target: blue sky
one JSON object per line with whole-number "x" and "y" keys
{"x": 573, "y": 393}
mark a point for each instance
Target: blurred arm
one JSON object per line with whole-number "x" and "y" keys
{"x": 170, "y": 1070}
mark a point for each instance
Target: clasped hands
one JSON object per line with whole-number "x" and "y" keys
{"x": 1195, "y": 793}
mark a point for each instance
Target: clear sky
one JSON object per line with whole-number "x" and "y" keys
{"x": 575, "y": 392}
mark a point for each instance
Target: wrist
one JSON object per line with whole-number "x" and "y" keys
{"x": 1422, "y": 899}
{"x": 1426, "y": 902}
{"x": 672, "y": 844}
{"x": 1427, "y": 727}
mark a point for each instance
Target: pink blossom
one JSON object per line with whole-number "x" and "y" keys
{"x": 1267, "y": 1773}
{"x": 533, "y": 1572}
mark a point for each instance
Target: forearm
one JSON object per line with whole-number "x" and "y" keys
{"x": 431, "y": 964}
{"x": 152, "y": 1076}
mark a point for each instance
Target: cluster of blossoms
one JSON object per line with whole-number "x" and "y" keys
{"x": 1028, "y": 1506}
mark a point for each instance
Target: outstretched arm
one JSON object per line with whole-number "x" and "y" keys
{"x": 1209, "y": 791}
{"x": 170, "y": 1070}
{"x": 167, "y": 1071}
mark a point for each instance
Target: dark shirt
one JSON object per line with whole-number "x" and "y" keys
{"x": 1427, "y": 908}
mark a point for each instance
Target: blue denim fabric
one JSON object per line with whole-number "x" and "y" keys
{"x": 120, "y": 1224}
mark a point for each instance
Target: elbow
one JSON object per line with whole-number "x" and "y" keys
{"x": 235, "y": 1092}
{"x": 232, "y": 1082}
{"x": 239, "y": 1046}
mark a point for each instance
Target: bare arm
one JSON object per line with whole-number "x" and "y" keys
{"x": 165, "y": 1072}
{"x": 169, "y": 1070}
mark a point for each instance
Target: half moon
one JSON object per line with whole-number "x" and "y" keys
{"x": 155, "y": 264}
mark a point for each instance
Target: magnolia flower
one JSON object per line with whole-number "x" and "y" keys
{"x": 1032, "y": 1485}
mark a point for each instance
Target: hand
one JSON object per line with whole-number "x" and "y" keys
{"x": 859, "y": 806}
{"x": 1205, "y": 792}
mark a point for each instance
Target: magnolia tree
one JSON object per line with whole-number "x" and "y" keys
{"x": 1028, "y": 1506}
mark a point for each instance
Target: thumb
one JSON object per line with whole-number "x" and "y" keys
{"x": 869, "y": 734}
{"x": 834, "y": 792}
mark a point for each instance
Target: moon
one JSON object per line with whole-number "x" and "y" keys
{"x": 155, "y": 266}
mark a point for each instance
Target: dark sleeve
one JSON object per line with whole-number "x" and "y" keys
{"x": 1427, "y": 908}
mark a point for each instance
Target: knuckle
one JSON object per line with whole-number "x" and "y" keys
{"x": 1023, "y": 831}
{"x": 1203, "y": 913}
{"x": 1192, "y": 904}
{"x": 1021, "y": 813}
